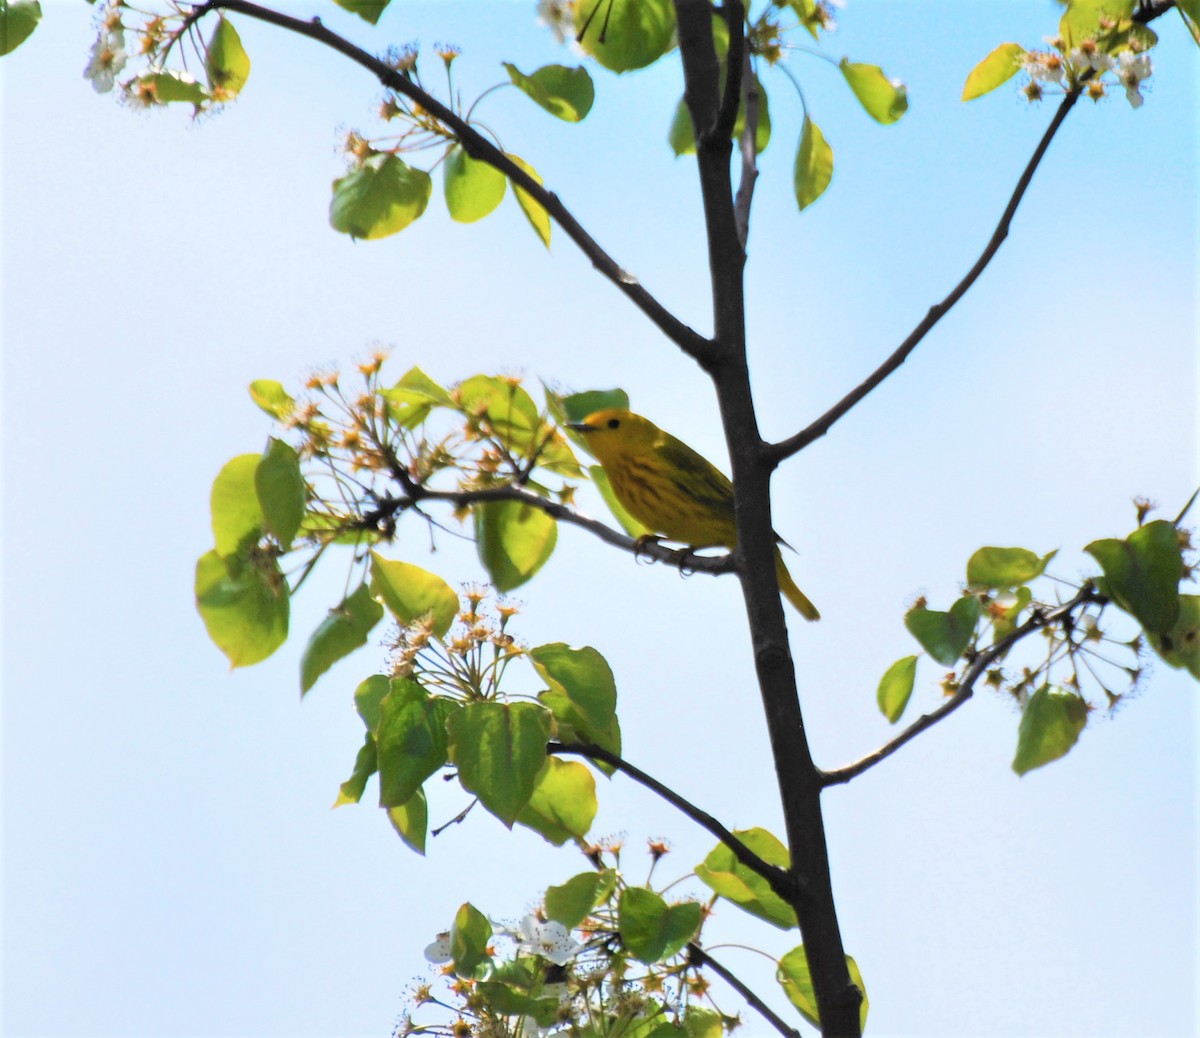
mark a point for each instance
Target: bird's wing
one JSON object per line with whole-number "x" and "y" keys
{"x": 700, "y": 478}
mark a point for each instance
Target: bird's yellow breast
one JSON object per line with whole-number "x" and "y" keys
{"x": 661, "y": 500}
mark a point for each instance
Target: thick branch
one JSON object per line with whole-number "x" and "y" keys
{"x": 775, "y": 876}
{"x": 985, "y": 659}
{"x": 785, "y": 448}
{"x": 479, "y": 147}
{"x": 697, "y": 956}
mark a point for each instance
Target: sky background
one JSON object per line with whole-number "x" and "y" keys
{"x": 171, "y": 866}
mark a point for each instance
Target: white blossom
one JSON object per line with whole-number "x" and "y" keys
{"x": 551, "y": 940}
{"x": 1044, "y": 66}
{"x": 555, "y": 15}
{"x": 1094, "y": 59}
{"x": 1131, "y": 70}
{"x": 439, "y": 952}
{"x": 107, "y": 59}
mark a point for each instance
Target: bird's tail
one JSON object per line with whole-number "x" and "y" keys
{"x": 792, "y": 593}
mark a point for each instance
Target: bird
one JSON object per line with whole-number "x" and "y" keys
{"x": 671, "y": 489}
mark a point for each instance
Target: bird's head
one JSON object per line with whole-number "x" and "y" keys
{"x": 615, "y": 431}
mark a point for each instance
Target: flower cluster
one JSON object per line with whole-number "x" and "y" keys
{"x": 1087, "y": 65}
{"x": 542, "y": 977}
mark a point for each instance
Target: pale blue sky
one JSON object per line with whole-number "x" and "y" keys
{"x": 171, "y": 865}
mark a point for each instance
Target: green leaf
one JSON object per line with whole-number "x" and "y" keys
{"x": 566, "y": 93}
{"x": 368, "y": 700}
{"x": 472, "y": 188}
{"x": 282, "y": 492}
{"x": 381, "y": 197}
{"x": 1189, "y": 11}
{"x": 411, "y": 399}
{"x": 411, "y": 820}
{"x": 272, "y": 398}
{"x": 243, "y": 601}
{"x": 652, "y": 930}
{"x": 367, "y": 10}
{"x": 1004, "y": 568}
{"x": 729, "y": 878}
{"x": 510, "y": 413}
{"x": 895, "y": 687}
{"x": 499, "y": 750}
{"x": 514, "y": 541}
{"x": 796, "y": 980}
{"x": 537, "y": 216}
{"x": 1180, "y": 646}
{"x": 624, "y": 34}
{"x": 507, "y": 1001}
{"x": 365, "y": 765}
{"x": 572, "y": 902}
{"x": 563, "y": 804}
{"x": 582, "y": 694}
{"x": 170, "y": 86}
{"x": 996, "y": 69}
{"x": 682, "y": 136}
{"x": 340, "y": 633}
{"x": 18, "y": 19}
{"x": 226, "y": 62}
{"x": 628, "y": 523}
{"x": 237, "y": 516}
{"x": 575, "y": 407}
{"x": 944, "y": 635}
{"x": 885, "y": 100}
{"x": 814, "y": 165}
{"x": 1050, "y": 726}
{"x": 1083, "y": 19}
{"x": 703, "y": 1023}
{"x": 469, "y": 939}
{"x": 1142, "y": 573}
{"x": 411, "y": 740}
{"x": 410, "y": 592}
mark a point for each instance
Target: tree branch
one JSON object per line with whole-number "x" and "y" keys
{"x": 778, "y": 878}
{"x": 683, "y": 558}
{"x": 479, "y": 147}
{"x": 749, "y": 149}
{"x": 985, "y": 659}
{"x": 777, "y": 452}
{"x": 697, "y": 956}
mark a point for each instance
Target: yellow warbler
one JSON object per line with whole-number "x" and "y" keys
{"x": 667, "y": 486}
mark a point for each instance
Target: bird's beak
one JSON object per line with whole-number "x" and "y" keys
{"x": 581, "y": 427}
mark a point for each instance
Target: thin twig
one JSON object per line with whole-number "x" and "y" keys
{"x": 778, "y": 878}
{"x": 479, "y": 147}
{"x": 697, "y": 956}
{"x": 777, "y": 452}
{"x": 1038, "y": 621}
{"x": 749, "y": 149}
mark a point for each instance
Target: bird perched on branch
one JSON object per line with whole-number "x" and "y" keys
{"x": 668, "y": 487}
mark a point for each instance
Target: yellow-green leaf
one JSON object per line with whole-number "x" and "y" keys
{"x": 226, "y": 62}
{"x": 1142, "y": 573}
{"x": 381, "y": 197}
{"x": 411, "y": 820}
{"x": 944, "y": 635}
{"x": 1050, "y": 726}
{"x": 652, "y": 930}
{"x": 472, "y": 188}
{"x": 564, "y": 92}
{"x": 996, "y": 69}
{"x": 729, "y": 878}
{"x": 351, "y": 791}
{"x": 884, "y": 100}
{"x": 1180, "y": 646}
{"x": 537, "y": 216}
{"x": 796, "y": 980}
{"x": 282, "y": 492}
{"x": 410, "y": 592}
{"x": 514, "y": 540}
{"x": 499, "y": 750}
{"x": 563, "y": 803}
{"x": 367, "y": 10}
{"x": 237, "y": 515}
{"x": 18, "y": 19}
{"x": 895, "y": 687}
{"x": 272, "y": 398}
{"x": 243, "y": 600}
{"x": 624, "y": 34}
{"x": 411, "y": 741}
{"x": 340, "y": 633}
{"x": 813, "y": 169}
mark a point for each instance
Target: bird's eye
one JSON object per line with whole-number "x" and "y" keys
{"x": 614, "y": 422}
